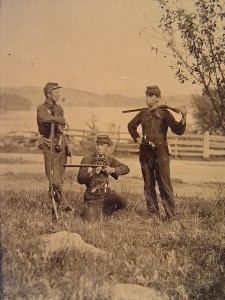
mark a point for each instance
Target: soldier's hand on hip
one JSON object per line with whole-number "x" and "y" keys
{"x": 139, "y": 140}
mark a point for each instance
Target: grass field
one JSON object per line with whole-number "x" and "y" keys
{"x": 184, "y": 260}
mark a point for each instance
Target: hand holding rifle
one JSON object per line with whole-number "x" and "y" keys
{"x": 183, "y": 111}
{"x": 95, "y": 168}
{"x": 108, "y": 170}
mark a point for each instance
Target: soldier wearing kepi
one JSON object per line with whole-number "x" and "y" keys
{"x": 99, "y": 199}
{"x": 154, "y": 153}
{"x": 47, "y": 113}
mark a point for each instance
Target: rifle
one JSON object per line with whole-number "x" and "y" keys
{"x": 175, "y": 109}
{"x": 52, "y": 192}
{"x": 82, "y": 165}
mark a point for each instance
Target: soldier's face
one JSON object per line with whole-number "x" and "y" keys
{"x": 54, "y": 95}
{"x": 101, "y": 149}
{"x": 151, "y": 100}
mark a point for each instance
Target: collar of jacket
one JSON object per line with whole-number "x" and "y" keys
{"x": 157, "y": 112}
{"x": 96, "y": 157}
{"x": 49, "y": 103}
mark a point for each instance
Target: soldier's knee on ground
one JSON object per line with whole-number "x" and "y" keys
{"x": 93, "y": 212}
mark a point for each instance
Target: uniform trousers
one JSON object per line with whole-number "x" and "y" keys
{"x": 155, "y": 167}
{"x": 57, "y": 162}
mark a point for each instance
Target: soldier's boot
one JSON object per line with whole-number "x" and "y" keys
{"x": 60, "y": 199}
{"x": 55, "y": 205}
{"x": 66, "y": 207}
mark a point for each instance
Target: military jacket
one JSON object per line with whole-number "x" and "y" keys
{"x": 47, "y": 112}
{"x": 96, "y": 184}
{"x": 155, "y": 125}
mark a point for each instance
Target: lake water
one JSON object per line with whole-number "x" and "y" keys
{"x": 77, "y": 118}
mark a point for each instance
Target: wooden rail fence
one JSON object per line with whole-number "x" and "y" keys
{"x": 187, "y": 145}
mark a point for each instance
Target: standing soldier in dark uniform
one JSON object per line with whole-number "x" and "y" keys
{"x": 47, "y": 113}
{"x": 154, "y": 153}
{"x": 98, "y": 197}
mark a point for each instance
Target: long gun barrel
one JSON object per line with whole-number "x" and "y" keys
{"x": 132, "y": 110}
{"x": 175, "y": 109}
{"x": 52, "y": 193}
{"x": 81, "y": 165}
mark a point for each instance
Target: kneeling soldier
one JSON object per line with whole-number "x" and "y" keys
{"x": 98, "y": 197}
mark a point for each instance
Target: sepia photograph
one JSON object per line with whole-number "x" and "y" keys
{"x": 112, "y": 149}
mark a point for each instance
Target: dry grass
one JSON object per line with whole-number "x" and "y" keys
{"x": 185, "y": 262}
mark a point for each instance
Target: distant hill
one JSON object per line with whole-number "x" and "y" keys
{"x": 10, "y": 102}
{"x": 74, "y": 98}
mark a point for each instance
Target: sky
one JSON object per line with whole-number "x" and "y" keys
{"x": 90, "y": 45}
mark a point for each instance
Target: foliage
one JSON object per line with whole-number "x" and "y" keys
{"x": 92, "y": 125}
{"x": 205, "y": 116}
{"x": 14, "y": 102}
{"x": 88, "y": 144}
{"x": 184, "y": 262}
{"x": 196, "y": 40}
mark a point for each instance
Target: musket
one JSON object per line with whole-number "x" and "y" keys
{"x": 82, "y": 165}
{"x": 52, "y": 192}
{"x": 175, "y": 109}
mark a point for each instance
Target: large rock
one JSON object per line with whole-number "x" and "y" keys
{"x": 65, "y": 240}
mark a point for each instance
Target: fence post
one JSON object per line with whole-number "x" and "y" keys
{"x": 118, "y": 135}
{"x": 175, "y": 147}
{"x": 206, "y": 145}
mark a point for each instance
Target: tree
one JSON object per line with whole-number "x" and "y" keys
{"x": 92, "y": 125}
{"x": 196, "y": 40}
{"x": 205, "y": 116}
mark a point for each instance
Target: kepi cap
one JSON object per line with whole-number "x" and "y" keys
{"x": 51, "y": 86}
{"x": 103, "y": 139}
{"x": 153, "y": 90}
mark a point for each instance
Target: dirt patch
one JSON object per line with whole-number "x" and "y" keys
{"x": 189, "y": 178}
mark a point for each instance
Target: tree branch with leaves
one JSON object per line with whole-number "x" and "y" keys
{"x": 196, "y": 40}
